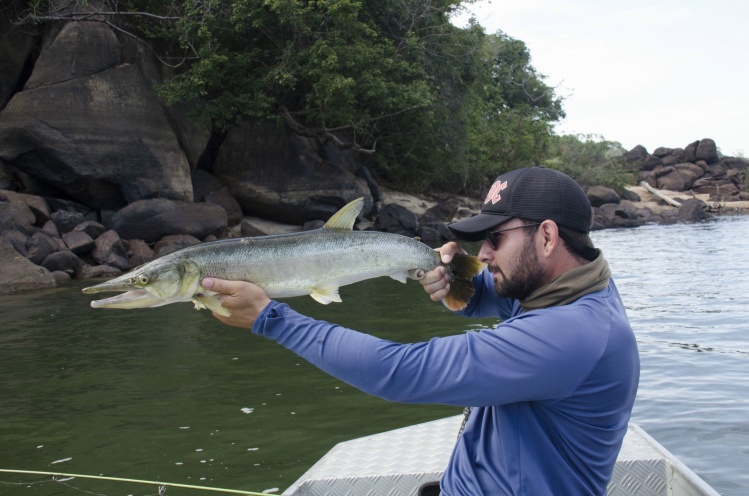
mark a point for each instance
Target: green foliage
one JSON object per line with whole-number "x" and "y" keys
{"x": 436, "y": 106}
{"x": 590, "y": 160}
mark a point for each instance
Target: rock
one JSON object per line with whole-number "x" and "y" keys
{"x": 249, "y": 231}
{"x": 277, "y": 175}
{"x": 78, "y": 242}
{"x": 374, "y": 187}
{"x": 35, "y": 205}
{"x": 50, "y": 229}
{"x": 109, "y": 250}
{"x": 707, "y": 151}
{"x": 223, "y": 199}
{"x": 151, "y": 220}
{"x": 598, "y": 195}
{"x": 61, "y": 277}
{"x": 138, "y": 253}
{"x": 398, "y": 219}
{"x": 661, "y": 152}
{"x": 62, "y": 261}
{"x": 692, "y": 210}
{"x": 79, "y": 49}
{"x": 444, "y": 211}
{"x": 203, "y": 183}
{"x": 435, "y": 232}
{"x": 39, "y": 246}
{"x": 16, "y": 239}
{"x": 15, "y": 217}
{"x": 679, "y": 177}
{"x": 66, "y": 221}
{"x": 690, "y": 152}
{"x": 18, "y": 274}
{"x": 636, "y": 154}
{"x": 626, "y": 194}
{"x": 96, "y": 271}
{"x": 311, "y": 225}
{"x": 16, "y": 48}
{"x": 93, "y": 229}
{"x": 140, "y": 189}
{"x": 91, "y": 135}
{"x": 650, "y": 162}
{"x": 170, "y": 244}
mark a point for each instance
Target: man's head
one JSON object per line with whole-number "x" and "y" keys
{"x": 534, "y": 194}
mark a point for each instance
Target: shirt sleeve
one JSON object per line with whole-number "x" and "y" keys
{"x": 532, "y": 357}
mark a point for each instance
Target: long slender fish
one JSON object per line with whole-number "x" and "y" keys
{"x": 314, "y": 263}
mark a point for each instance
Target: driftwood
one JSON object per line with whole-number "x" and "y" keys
{"x": 660, "y": 195}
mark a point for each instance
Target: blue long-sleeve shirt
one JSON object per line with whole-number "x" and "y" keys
{"x": 552, "y": 389}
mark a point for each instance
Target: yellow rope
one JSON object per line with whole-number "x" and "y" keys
{"x": 134, "y": 481}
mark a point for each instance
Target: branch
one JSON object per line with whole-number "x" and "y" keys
{"x": 660, "y": 195}
{"x": 303, "y": 130}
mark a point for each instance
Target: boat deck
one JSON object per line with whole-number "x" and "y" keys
{"x": 398, "y": 462}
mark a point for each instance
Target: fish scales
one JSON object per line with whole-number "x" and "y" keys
{"x": 290, "y": 264}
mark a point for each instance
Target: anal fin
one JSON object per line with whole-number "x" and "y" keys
{"x": 210, "y": 302}
{"x": 326, "y": 293}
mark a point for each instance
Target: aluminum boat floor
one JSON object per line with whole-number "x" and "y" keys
{"x": 398, "y": 462}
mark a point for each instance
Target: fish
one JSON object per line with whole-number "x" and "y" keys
{"x": 315, "y": 263}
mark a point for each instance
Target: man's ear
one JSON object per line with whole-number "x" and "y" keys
{"x": 550, "y": 236}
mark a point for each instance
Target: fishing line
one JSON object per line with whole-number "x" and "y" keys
{"x": 133, "y": 481}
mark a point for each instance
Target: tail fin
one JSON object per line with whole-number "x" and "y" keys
{"x": 462, "y": 270}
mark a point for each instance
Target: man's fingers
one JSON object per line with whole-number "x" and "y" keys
{"x": 221, "y": 286}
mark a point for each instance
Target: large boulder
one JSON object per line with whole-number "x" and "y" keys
{"x": 151, "y": 220}
{"x": 280, "y": 176}
{"x": 17, "y": 274}
{"x": 16, "y": 47}
{"x": 707, "y": 151}
{"x": 398, "y": 219}
{"x": 680, "y": 177}
{"x": 79, "y": 49}
{"x": 692, "y": 210}
{"x": 89, "y": 136}
{"x": 598, "y": 195}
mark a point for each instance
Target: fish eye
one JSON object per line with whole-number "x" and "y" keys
{"x": 143, "y": 279}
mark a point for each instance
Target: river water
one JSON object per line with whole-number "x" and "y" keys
{"x": 170, "y": 394}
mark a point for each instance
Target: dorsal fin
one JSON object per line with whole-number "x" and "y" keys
{"x": 346, "y": 216}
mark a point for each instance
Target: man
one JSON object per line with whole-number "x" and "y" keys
{"x": 551, "y": 388}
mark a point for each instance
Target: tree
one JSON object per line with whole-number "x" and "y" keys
{"x": 428, "y": 104}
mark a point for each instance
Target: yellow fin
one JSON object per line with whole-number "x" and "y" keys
{"x": 345, "y": 218}
{"x": 211, "y": 303}
{"x": 326, "y": 293}
{"x": 462, "y": 270}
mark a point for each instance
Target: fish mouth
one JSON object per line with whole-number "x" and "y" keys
{"x": 130, "y": 299}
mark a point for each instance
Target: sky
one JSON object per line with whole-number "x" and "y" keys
{"x": 652, "y": 73}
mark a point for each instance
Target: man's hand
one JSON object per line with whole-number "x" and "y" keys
{"x": 244, "y": 300}
{"x": 436, "y": 282}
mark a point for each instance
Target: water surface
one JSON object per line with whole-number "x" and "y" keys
{"x": 171, "y": 394}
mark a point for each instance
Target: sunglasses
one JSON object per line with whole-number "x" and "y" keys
{"x": 492, "y": 237}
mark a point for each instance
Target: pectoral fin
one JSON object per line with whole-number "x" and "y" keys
{"x": 211, "y": 302}
{"x": 326, "y": 293}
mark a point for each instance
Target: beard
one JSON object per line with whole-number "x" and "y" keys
{"x": 527, "y": 274}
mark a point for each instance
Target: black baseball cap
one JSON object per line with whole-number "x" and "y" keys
{"x": 533, "y": 193}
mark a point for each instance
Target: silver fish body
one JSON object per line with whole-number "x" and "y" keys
{"x": 312, "y": 263}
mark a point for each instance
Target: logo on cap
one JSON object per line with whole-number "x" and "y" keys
{"x": 494, "y": 192}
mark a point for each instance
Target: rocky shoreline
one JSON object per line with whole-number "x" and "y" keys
{"x": 46, "y": 242}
